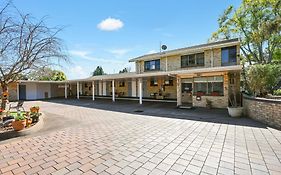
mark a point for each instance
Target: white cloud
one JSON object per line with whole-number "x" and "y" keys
{"x": 78, "y": 72}
{"x": 119, "y": 52}
{"x": 110, "y": 24}
{"x": 79, "y": 53}
{"x": 151, "y": 52}
{"x": 86, "y": 55}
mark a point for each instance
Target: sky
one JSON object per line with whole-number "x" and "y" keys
{"x": 108, "y": 33}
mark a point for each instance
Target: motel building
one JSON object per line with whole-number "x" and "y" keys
{"x": 187, "y": 76}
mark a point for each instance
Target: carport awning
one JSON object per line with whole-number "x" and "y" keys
{"x": 166, "y": 73}
{"x": 146, "y": 74}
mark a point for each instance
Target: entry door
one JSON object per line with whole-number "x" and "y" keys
{"x": 22, "y": 92}
{"x": 186, "y": 93}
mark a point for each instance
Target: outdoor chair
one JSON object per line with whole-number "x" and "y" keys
{"x": 18, "y": 106}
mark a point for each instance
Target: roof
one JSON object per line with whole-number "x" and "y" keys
{"x": 40, "y": 81}
{"x": 166, "y": 73}
{"x": 224, "y": 43}
{"x": 146, "y": 74}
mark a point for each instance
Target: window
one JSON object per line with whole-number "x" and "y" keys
{"x": 153, "y": 82}
{"x": 192, "y": 60}
{"x": 152, "y": 65}
{"x": 121, "y": 83}
{"x": 228, "y": 56}
{"x": 168, "y": 82}
{"x": 212, "y": 86}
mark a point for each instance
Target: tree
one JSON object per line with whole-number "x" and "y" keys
{"x": 47, "y": 74}
{"x": 257, "y": 24}
{"x": 98, "y": 71}
{"x": 26, "y": 45}
{"x": 125, "y": 70}
{"x": 263, "y": 78}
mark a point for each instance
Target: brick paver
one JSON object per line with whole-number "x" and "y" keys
{"x": 99, "y": 141}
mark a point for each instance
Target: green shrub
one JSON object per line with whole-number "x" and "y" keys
{"x": 262, "y": 78}
{"x": 277, "y": 92}
{"x": 19, "y": 116}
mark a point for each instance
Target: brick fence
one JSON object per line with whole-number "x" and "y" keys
{"x": 267, "y": 111}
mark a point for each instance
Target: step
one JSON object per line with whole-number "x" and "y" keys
{"x": 185, "y": 107}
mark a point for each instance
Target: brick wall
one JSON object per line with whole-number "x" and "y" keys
{"x": 169, "y": 91}
{"x": 12, "y": 88}
{"x": 217, "y": 101}
{"x": 267, "y": 111}
{"x": 174, "y": 61}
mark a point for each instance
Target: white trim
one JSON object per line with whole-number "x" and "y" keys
{"x": 140, "y": 91}
{"x": 104, "y": 88}
{"x": 164, "y": 73}
{"x": 78, "y": 87}
{"x": 65, "y": 91}
{"x": 18, "y": 92}
{"x": 134, "y": 88}
{"x": 113, "y": 90}
{"x": 93, "y": 90}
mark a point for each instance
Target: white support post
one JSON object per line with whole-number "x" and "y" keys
{"x": 134, "y": 88}
{"x": 104, "y": 88}
{"x": 100, "y": 88}
{"x": 65, "y": 91}
{"x": 93, "y": 90}
{"x": 78, "y": 89}
{"x": 179, "y": 94}
{"x": 166, "y": 66}
{"x": 212, "y": 57}
{"x": 113, "y": 91}
{"x": 18, "y": 91}
{"x": 140, "y": 91}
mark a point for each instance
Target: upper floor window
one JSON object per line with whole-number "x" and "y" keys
{"x": 192, "y": 60}
{"x": 152, "y": 65}
{"x": 228, "y": 56}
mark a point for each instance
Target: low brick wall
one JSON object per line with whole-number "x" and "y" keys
{"x": 267, "y": 111}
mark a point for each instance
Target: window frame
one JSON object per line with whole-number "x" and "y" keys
{"x": 153, "y": 82}
{"x": 157, "y": 66}
{"x": 185, "y": 60}
{"x": 209, "y": 81}
{"x": 229, "y": 61}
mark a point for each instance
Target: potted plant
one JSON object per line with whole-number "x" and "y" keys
{"x": 34, "y": 109}
{"x": 234, "y": 108}
{"x": 1, "y": 113}
{"x": 34, "y": 117}
{"x": 19, "y": 122}
{"x": 28, "y": 119}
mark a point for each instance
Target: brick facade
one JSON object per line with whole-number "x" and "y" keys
{"x": 267, "y": 111}
{"x": 212, "y": 59}
{"x": 12, "y": 88}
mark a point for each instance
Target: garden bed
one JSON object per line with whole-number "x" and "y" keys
{"x": 6, "y": 123}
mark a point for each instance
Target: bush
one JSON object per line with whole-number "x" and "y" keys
{"x": 277, "y": 92}
{"x": 262, "y": 78}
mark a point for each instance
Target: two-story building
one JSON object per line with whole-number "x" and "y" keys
{"x": 189, "y": 76}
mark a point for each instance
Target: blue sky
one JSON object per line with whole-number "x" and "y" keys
{"x": 110, "y": 32}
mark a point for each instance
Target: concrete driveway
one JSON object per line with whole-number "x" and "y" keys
{"x": 101, "y": 137}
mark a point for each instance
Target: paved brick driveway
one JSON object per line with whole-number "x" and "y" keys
{"x": 87, "y": 139}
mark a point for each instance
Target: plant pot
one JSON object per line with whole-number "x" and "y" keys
{"x": 34, "y": 110}
{"x": 235, "y": 111}
{"x": 35, "y": 118}
{"x": 28, "y": 122}
{"x": 18, "y": 125}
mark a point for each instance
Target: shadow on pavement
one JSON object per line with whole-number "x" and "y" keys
{"x": 161, "y": 109}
